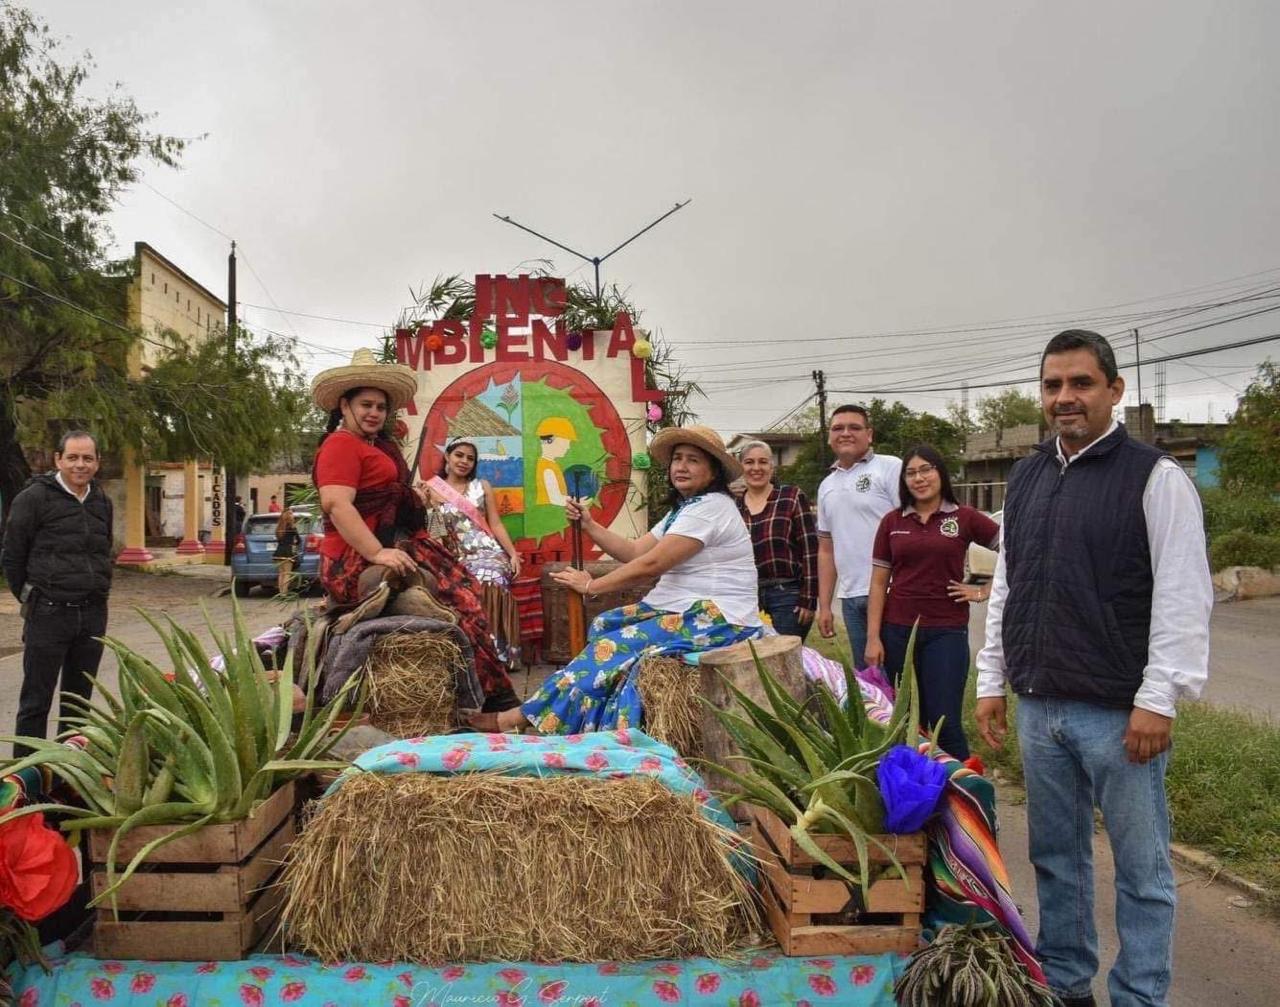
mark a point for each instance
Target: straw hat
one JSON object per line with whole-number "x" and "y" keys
{"x": 700, "y": 437}
{"x": 398, "y": 381}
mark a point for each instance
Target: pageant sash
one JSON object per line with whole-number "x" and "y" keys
{"x": 452, "y": 496}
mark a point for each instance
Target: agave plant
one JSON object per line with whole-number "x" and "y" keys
{"x": 815, "y": 769}
{"x": 187, "y": 749}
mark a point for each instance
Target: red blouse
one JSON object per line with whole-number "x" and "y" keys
{"x": 347, "y": 460}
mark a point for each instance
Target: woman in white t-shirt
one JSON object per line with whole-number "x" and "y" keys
{"x": 705, "y": 597}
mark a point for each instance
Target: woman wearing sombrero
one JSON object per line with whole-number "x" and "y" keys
{"x": 705, "y": 597}
{"x": 374, "y": 516}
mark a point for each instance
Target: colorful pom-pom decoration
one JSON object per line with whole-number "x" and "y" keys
{"x": 654, "y": 412}
{"x": 641, "y": 460}
{"x": 574, "y": 341}
{"x": 642, "y": 349}
{"x": 488, "y": 339}
{"x": 435, "y": 342}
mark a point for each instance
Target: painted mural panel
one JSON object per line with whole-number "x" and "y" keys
{"x": 553, "y": 414}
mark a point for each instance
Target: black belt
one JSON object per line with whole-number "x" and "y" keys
{"x": 87, "y": 603}
{"x": 779, "y": 582}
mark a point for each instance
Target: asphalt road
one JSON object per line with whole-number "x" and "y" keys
{"x": 1226, "y": 951}
{"x": 1244, "y": 639}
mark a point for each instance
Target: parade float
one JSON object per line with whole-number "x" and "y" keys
{"x": 228, "y": 857}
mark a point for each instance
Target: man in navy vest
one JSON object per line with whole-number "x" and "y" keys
{"x": 1099, "y": 621}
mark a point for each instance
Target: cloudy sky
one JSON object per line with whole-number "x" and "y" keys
{"x": 905, "y": 195}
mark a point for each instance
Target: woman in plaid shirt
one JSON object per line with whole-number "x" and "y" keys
{"x": 786, "y": 543}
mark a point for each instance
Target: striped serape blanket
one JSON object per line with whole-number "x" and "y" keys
{"x": 968, "y": 882}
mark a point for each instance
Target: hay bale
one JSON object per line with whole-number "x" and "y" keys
{"x": 669, "y": 691}
{"x": 483, "y": 867}
{"x": 410, "y": 683}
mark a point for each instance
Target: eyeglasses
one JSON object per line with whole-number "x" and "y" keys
{"x": 923, "y": 470}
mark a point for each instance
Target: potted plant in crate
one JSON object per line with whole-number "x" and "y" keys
{"x": 182, "y": 750}
{"x": 833, "y": 880}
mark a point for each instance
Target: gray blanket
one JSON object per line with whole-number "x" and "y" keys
{"x": 346, "y": 654}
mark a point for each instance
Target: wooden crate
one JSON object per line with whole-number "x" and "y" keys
{"x": 555, "y": 607}
{"x": 812, "y": 912}
{"x": 209, "y": 896}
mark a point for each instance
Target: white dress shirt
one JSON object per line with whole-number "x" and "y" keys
{"x": 1181, "y": 595}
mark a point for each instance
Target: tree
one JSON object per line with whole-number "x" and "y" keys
{"x": 65, "y": 349}
{"x": 1249, "y": 455}
{"x": 1010, "y": 408}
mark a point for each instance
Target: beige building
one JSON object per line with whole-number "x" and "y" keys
{"x": 168, "y": 500}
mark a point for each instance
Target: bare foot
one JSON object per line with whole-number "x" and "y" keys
{"x": 496, "y": 723}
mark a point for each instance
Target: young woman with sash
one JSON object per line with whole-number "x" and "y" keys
{"x": 465, "y": 517}
{"x": 374, "y": 516}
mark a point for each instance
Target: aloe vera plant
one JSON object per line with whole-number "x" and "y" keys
{"x": 815, "y": 768}
{"x": 187, "y": 749}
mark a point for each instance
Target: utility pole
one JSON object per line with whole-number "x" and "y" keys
{"x": 820, "y": 380}
{"x": 595, "y": 260}
{"x": 1137, "y": 353}
{"x": 233, "y": 529}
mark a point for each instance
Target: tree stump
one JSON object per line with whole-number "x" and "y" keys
{"x": 735, "y": 665}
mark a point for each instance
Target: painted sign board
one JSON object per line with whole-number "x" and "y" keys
{"x": 553, "y": 413}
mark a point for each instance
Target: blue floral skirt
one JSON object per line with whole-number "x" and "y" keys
{"x": 596, "y": 691}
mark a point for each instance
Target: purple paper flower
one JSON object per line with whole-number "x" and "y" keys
{"x": 911, "y": 785}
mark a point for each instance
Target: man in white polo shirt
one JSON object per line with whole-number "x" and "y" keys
{"x": 861, "y": 489}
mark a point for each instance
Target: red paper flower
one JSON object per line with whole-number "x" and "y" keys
{"x": 551, "y": 992}
{"x": 707, "y": 983}
{"x": 37, "y": 868}
{"x": 261, "y": 973}
{"x": 452, "y": 972}
{"x": 30, "y": 997}
{"x": 293, "y": 991}
{"x": 668, "y": 993}
{"x": 177, "y": 1000}
{"x": 862, "y": 974}
{"x": 250, "y": 995}
{"x": 512, "y": 976}
{"x": 101, "y": 989}
{"x": 749, "y": 999}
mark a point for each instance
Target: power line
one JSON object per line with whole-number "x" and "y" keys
{"x": 1239, "y": 344}
{"x": 321, "y": 318}
{"x": 174, "y": 202}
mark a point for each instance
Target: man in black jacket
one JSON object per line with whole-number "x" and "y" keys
{"x": 57, "y": 560}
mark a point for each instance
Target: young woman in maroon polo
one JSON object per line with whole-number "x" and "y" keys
{"x": 917, "y": 567}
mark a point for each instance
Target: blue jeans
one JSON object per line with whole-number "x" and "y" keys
{"x": 854, "y": 611}
{"x": 942, "y": 669}
{"x": 780, "y": 601}
{"x": 1073, "y": 754}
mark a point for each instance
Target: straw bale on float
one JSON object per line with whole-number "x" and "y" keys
{"x": 669, "y": 693}
{"x": 409, "y": 678}
{"x": 483, "y": 867}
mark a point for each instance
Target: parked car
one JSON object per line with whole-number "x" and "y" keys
{"x": 253, "y": 554}
{"x": 979, "y": 561}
